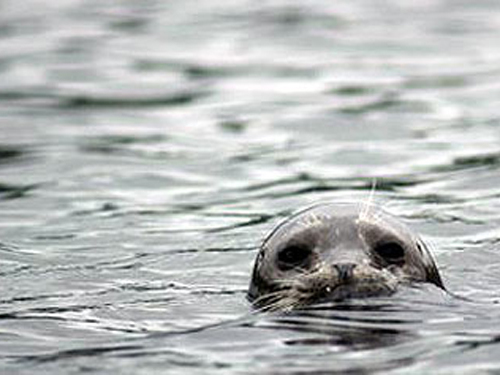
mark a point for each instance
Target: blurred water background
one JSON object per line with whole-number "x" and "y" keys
{"x": 146, "y": 147}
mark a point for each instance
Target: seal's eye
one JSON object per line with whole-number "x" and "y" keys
{"x": 391, "y": 252}
{"x": 294, "y": 256}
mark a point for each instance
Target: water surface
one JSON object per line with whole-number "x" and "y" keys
{"x": 147, "y": 147}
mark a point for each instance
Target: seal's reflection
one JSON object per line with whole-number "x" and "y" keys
{"x": 347, "y": 326}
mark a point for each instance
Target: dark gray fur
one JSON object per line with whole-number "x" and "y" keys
{"x": 344, "y": 241}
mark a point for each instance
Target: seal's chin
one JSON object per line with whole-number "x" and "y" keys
{"x": 316, "y": 290}
{"x": 303, "y": 295}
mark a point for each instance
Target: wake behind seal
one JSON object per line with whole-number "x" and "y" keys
{"x": 336, "y": 251}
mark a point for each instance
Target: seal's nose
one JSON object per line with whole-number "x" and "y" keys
{"x": 344, "y": 270}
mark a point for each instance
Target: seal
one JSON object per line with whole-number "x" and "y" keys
{"x": 335, "y": 251}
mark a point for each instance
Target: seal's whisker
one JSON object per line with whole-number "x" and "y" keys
{"x": 276, "y": 302}
{"x": 286, "y": 304}
{"x": 377, "y": 218}
{"x": 366, "y": 205}
{"x": 269, "y": 298}
{"x": 372, "y": 217}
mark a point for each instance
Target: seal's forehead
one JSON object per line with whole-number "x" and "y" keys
{"x": 325, "y": 212}
{"x": 320, "y": 213}
{"x": 316, "y": 217}
{"x": 365, "y": 217}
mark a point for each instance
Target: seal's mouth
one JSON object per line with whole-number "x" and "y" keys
{"x": 301, "y": 295}
{"x": 357, "y": 289}
{"x": 332, "y": 286}
{"x": 329, "y": 284}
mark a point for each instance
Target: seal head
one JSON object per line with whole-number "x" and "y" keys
{"x": 334, "y": 251}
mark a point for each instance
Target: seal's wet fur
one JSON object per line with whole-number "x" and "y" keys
{"x": 334, "y": 251}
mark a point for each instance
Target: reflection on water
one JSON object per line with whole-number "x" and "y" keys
{"x": 147, "y": 147}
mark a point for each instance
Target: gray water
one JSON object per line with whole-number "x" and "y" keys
{"x": 146, "y": 148}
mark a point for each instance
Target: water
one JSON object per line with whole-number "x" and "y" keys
{"x": 147, "y": 147}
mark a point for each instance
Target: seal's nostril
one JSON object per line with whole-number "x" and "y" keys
{"x": 344, "y": 270}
